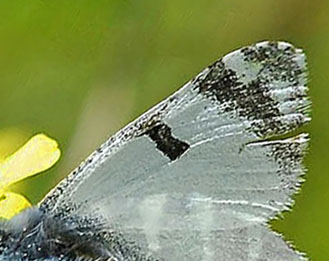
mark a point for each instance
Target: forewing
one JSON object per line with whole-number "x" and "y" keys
{"x": 196, "y": 177}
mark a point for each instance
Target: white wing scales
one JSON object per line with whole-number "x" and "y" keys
{"x": 194, "y": 178}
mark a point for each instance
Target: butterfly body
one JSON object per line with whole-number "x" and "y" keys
{"x": 34, "y": 235}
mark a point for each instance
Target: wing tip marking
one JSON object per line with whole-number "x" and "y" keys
{"x": 257, "y": 82}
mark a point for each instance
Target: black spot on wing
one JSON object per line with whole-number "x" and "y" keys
{"x": 161, "y": 134}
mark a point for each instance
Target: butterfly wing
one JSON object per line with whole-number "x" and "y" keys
{"x": 196, "y": 178}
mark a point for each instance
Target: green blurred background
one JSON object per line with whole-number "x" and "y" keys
{"x": 80, "y": 70}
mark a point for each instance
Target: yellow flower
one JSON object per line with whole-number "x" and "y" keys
{"x": 37, "y": 155}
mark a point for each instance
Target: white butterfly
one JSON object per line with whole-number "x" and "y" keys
{"x": 194, "y": 178}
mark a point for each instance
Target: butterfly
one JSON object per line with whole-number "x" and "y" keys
{"x": 197, "y": 177}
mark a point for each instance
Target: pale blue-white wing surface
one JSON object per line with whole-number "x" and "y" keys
{"x": 196, "y": 178}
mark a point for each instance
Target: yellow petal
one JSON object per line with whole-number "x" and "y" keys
{"x": 37, "y": 155}
{"x": 11, "y": 204}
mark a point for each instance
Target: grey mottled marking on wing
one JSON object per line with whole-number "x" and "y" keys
{"x": 211, "y": 197}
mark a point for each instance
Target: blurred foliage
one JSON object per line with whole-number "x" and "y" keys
{"x": 80, "y": 70}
